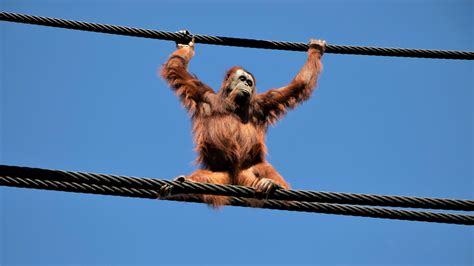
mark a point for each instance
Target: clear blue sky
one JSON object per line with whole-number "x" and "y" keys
{"x": 92, "y": 102}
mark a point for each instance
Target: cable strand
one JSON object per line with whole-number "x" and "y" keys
{"x": 228, "y": 41}
{"x": 237, "y": 191}
{"x": 241, "y": 202}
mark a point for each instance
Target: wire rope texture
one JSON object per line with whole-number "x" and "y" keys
{"x": 236, "y": 191}
{"x": 229, "y": 41}
{"x": 235, "y": 201}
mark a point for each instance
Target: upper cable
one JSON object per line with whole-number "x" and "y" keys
{"x": 228, "y": 41}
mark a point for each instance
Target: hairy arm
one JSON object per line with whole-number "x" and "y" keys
{"x": 274, "y": 103}
{"x": 190, "y": 90}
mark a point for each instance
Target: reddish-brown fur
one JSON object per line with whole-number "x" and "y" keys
{"x": 230, "y": 138}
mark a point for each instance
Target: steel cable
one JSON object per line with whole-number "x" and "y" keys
{"x": 228, "y": 41}
{"x": 235, "y": 201}
{"x": 235, "y": 191}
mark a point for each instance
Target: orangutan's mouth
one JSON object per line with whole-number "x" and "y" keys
{"x": 242, "y": 96}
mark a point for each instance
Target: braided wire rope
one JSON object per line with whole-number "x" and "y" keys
{"x": 241, "y": 202}
{"x": 235, "y": 191}
{"x": 228, "y": 41}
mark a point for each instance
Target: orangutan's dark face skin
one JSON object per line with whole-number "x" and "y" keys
{"x": 241, "y": 87}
